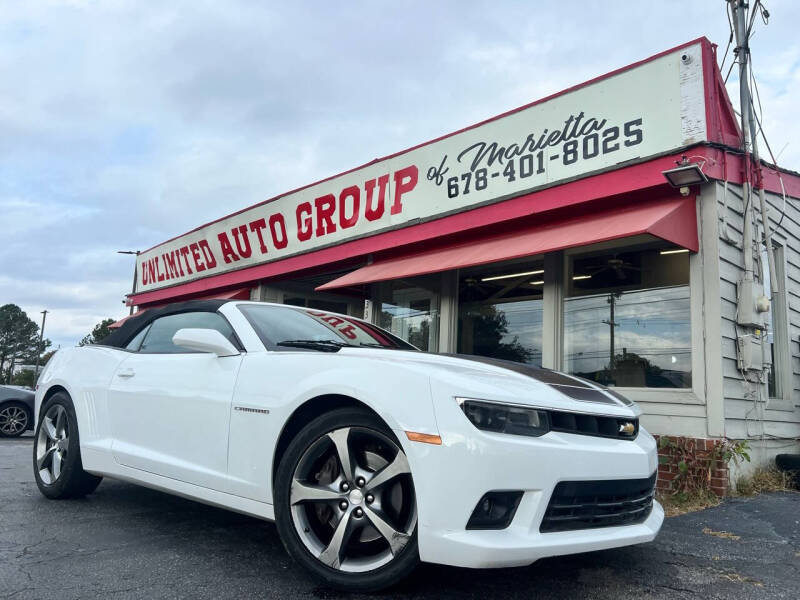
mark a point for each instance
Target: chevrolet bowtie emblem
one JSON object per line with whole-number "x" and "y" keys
{"x": 627, "y": 428}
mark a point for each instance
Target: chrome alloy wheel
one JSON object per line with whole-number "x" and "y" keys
{"x": 52, "y": 444}
{"x": 13, "y": 420}
{"x": 352, "y": 499}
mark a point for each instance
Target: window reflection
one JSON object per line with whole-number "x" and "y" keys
{"x": 626, "y": 322}
{"x": 410, "y": 310}
{"x": 772, "y": 318}
{"x": 500, "y": 313}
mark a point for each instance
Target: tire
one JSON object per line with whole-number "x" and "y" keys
{"x": 788, "y": 462}
{"x": 15, "y": 418}
{"x": 791, "y": 464}
{"x": 379, "y": 524}
{"x": 56, "y": 441}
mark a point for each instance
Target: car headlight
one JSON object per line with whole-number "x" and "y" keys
{"x": 505, "y": 418}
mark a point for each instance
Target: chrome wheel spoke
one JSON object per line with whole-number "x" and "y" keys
{"x": 56, "y": 465}
{"x": 399, "y": 466}
{"x": 41, "y": 459}
{"x": 61, "y": 423}
{"x": 50, "y": 428}
{"x": 304, "y": 492}
{"x": 340, "y": 440}
{"x": 397, "y": 539}
{"x": 332, "y": 555}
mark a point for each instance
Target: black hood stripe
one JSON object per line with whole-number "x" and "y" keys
{"x": 573, "y": 387}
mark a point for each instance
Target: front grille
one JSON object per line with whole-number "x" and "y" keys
{"x": 591, "y": 504}
{"x": 597, "y": 425}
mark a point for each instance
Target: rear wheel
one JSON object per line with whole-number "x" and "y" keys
{"x": 57, "y": 464}
{"x": 345, "y": 504}
{"x": 14, "y": 419}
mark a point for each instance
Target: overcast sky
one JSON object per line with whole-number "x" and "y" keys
{"x": 124, "y": 123}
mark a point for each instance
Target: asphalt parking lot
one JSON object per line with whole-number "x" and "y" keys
{"x": 129, "y": 542}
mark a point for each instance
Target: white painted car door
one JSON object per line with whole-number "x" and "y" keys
{"x": 170, "y": 408}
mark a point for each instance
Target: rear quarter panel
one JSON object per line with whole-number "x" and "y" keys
{"x": 85, "y": 373}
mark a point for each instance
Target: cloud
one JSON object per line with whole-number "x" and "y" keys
{"x": 123, "y": 124}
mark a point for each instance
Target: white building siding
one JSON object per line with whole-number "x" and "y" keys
{"x": 748, "y": 412}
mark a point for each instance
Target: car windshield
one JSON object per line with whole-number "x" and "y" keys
{"x": 286, "y": 327}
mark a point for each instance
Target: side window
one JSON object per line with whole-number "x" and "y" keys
{"x": 158, "y": 339}
{"x": 777, "y": 352}
{"x": 136, "y": 342}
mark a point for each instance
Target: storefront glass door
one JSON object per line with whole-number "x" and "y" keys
{"x": 410, "y": 310}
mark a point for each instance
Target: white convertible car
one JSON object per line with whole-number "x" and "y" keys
{"x": 369, "y": 454}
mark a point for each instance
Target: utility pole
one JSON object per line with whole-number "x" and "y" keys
{"x": 750, "y": 144}
{"x": 742, "y": 52}
{"x": 39, "y": 349}
{"x": 135, "y": 272}
{"x": 752, "y": 169}
{"x": 611, "y": 325}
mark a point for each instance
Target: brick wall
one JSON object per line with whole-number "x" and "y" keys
{"x": 695, "y": 453}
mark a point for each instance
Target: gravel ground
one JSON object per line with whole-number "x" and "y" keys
{"x": 126, "y": 541}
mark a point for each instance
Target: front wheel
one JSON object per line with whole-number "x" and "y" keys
{"x": 344, "y": 502}
{"x": 57, "y": 464}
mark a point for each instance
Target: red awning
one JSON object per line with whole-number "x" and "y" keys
{"x": 673, "y": 220}
{"x": 237, "y": 294}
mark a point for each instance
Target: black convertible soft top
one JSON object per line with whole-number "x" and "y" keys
{"x": 120, "y": 337}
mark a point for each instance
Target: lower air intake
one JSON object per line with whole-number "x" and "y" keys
{"x": 592, "y": 504}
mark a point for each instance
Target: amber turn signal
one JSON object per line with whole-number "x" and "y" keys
{"x": 425, "y": 438}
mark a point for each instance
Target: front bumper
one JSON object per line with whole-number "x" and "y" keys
{"x": 451, "y": 478}
{"x": 519, "y": 545}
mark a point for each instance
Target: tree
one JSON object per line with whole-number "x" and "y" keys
{"x": 23, "y": 378}
{"x": 489, "y": 327}
{"x": 100, "y": 332}
{"x": 47, "y": 356}
{"x": 19, "y": 340}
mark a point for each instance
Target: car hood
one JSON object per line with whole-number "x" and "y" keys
{"x": 503, "y": 380}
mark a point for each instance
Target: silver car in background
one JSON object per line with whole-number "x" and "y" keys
{"x": 16, "y": 410}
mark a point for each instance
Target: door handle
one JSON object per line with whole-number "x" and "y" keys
{"x": 126, "y": 373}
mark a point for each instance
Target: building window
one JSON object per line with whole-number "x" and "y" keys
{"x": 776, "y": 327}
{"x": 500, "y": 312}
{"x": 316, "y": 304}
{"x": 410, "y": 310}
{"x": 626, "y": 318}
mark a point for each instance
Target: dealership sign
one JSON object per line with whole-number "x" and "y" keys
{"x": 652, "y": 108}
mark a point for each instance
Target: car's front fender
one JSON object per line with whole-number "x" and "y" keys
{"x": 282, "y": 382}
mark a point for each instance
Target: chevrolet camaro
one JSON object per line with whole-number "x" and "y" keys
{"x": 369, "y": 454}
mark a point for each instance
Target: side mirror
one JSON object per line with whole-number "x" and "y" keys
{"x": 204, "y": 340}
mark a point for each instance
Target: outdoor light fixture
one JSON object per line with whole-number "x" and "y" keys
{"x": 540, "y": 282}
{"x": 685, "y": 174}
{"x": 496, "y": 277}
{"x": 675, "y": 251}
{"x": 579, "y": 277}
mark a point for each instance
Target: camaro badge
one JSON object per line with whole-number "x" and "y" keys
{"x": 627, "y": 428}
{"x": 262, "y": 411}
